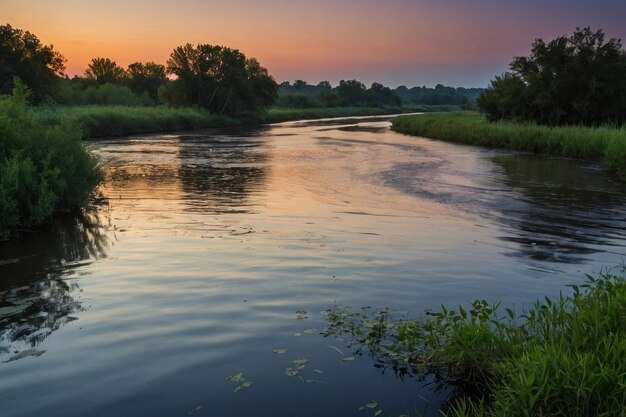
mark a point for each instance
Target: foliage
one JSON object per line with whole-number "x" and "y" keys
{"x": 103, "y": 70}
{"x": 146, "y": 78}
{"x": 580, "y": 79}
{"x": 22, "y": 55}
{"x": 471, "y": 128}
{"x": 219, "y": 79}
{"x": 561, "y": 357}
{"x": 440, "y": 95}
{"x": 42, "y": 169}
{"x": 300, "y": 94}
{"x": 282, "y": 114}
{"x": 109, "y": 121}
{"x": 78, "y": 92}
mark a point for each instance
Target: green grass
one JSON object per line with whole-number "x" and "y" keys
{"x": 600, "y": 143}
{"x": 113, "y": 121}
{"x": 562, "y": 357}
{"x": 283, "y": 114}
{"x": 108, "y": 121}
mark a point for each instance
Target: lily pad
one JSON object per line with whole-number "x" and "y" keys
{"x": 377, "y": 413}
{"x": 309, "y": 331}
{"x": 279, "y": 351}
{"x": 291, "y": 372}
{"x": 372, "y": 405}
{"x": 238, "y": 377}
{"x": 243, "y": 385}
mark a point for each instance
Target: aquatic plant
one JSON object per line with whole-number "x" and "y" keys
{"x": 43, "y": 169}
{"x": 564, "y": 356}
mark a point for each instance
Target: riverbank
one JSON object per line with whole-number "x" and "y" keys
{"x": 43, "y": 169}
{"x": 282, "y": 114}
{"x": 601, "y": 143}
{"x": 114, "y": 121}
{"x": 563, "y": 356}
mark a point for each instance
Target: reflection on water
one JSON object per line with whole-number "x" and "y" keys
{"x": 218, "y": 174}
{"x": 216, "y": 242}
{"x": 36, "y": 298}
{"x": 568, "y": 208}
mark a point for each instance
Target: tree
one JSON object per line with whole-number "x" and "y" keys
{"x": 351, "y": 92}
{"x": 23, "y": 55}
{"x": 580, "y": 79}
{"x": 379, "y": 95}
{"x": 103, "y": 70}
{"x": 220, "y": 79}
{"x": 146, "y": 78}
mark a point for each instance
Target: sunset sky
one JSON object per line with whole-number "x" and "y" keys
{"x": 410, "y": 42}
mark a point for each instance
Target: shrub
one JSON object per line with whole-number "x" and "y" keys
{"x": 42, "y": 168}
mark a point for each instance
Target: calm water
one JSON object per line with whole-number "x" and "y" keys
{"x": 217, "y": 247}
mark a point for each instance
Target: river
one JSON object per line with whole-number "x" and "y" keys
{"x": 209, "y": 250}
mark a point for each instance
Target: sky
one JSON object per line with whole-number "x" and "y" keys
{"x": 395, "y": 42}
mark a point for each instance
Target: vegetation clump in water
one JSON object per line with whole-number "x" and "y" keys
{"x": 42, "y": 169}
{"x": 561, "y": 357}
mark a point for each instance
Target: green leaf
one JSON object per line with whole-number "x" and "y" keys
{"x": 377, "y": 413}
{"x": 279, "y": 351}
{"x": 238, "y": 377}
{"x": 373, "y": 404}
{"x": 291, "y": 372}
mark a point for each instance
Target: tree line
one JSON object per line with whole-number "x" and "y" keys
{"x": 217, "y": 78}
{"x": 355, "y": 93}
{"x": 577, "y": 79}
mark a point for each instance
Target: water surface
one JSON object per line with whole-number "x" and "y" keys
{"x": 214, "y": 248}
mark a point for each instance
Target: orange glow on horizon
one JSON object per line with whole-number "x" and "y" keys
{"x": 325, "y": 39}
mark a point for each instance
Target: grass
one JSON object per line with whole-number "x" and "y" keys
{"x": 108, "y": 121}
{"x": 600, "y": 143}
{"x": 283, "y": 114}
{"x": 113, "y": 121}
{"x": 563, "y": 357}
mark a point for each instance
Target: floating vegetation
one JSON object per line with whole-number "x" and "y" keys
{"x": 373, "y": 405}
{"x": 280, "y": 351}
{"x": 563, "y": 356}
{"x": 297, "y": 334}
{"x": 241, "y": 381}
{"x": 309, "y": 330}
{"x": 301, "y": 315}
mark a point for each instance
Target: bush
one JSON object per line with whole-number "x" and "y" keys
{"x": 563, "y": 357}
{"x": 42, "y": 169}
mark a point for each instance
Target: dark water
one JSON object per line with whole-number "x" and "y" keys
{"x": 212, "y": 242}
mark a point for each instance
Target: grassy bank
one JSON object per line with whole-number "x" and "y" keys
{"x": 43, "y": 169}
{"x": 108, "y": 121}
{"x": 283, "y": 114}
{"x": 602, "y": 143}
{"x": 562, "y": 357}
{"x": 112, "y": 121}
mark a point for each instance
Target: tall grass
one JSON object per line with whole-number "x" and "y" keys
{"x": 283, "y": 114}
{"x": 43, "y": 169}
{"x": 605, "y": 143}
{"x": 563, "y": 357}
{"x": 108, "y": 121}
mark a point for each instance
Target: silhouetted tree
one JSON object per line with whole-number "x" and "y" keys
{"x": 146, "y": 78}
{"x": 352, "y": 92}
{"x": 22, "y": 55}
{"x": 220, "y": 79}
{"x": 103, "y": 70}
{"x": 569, "y": 80}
